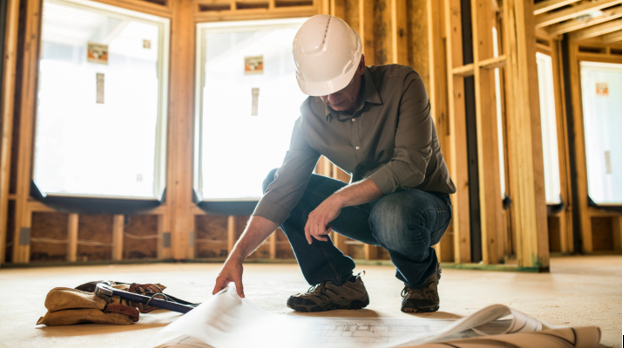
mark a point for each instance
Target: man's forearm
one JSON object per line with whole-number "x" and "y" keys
{"x": 257, "y": 231}
{"x": 357, "y": 193}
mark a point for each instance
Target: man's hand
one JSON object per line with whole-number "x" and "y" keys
{"x": 232, "y": 272}
{"x": 319, "y": 219}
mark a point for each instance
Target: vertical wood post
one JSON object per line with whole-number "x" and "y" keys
{"x": 457, "y": 159}
{"x": 487, "y": 139}
{"x": 525, "y": 142}
{"x": 28, "y": 102}
{"x": 72, "y": 237}
{"x": 231, "y": 233}
{"x": 118, "y": 239}
{"x": 273, "y": 245}
{"x": 180, "y": 136}
{"x": 6, "y": 113}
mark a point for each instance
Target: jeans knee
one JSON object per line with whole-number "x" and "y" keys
{"x": 395, "y": 225}
{"x": 268, "y": 180}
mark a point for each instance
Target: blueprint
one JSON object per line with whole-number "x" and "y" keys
{"x": 226, "y": 320}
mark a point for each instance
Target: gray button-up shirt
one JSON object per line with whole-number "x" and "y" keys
{"x": 390, "y": 139}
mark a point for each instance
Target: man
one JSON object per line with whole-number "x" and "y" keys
{"x": 373, "y": 122}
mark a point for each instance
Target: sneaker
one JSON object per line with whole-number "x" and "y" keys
{"x": 423, "y": 299}
{"x": 327, "y": 296}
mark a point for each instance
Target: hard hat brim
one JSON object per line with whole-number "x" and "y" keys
{"x": 317, "y": 89}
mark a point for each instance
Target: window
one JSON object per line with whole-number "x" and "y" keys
{"x": 601, "y": 88}
{"x": 102, "y": 101}
{"x": 246, "y": 104}
{"x": 549, "y": 128}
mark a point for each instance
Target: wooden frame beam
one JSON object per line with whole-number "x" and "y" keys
{"x": 597, "y": 30}
{"x": 582, "y": 9}
{"x": 72, "y": 237}
{"x": 118, "y": 237}
{"x": 529, "y": 220}
{"x": 611, "y": 37}
{"x": 457, "y": 127}
{"x": 574, "y": 24}
{"x": 9, "y": 61}
{"x": 28, "y": 102}
{"x": 550, "y": 5}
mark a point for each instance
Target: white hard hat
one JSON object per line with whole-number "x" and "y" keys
{"x": 327, "y": 53}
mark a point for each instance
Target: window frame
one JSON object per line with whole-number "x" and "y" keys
{"x": 160, "y": 150}
{"x": 200, "y": 81}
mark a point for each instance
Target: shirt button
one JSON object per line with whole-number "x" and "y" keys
{"x": 353, "y": 120}
{"x": 357, "y": 147}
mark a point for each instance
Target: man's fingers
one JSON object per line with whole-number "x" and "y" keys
{"x": 307, "y": 232}
{"x": 218, "y": 286}
{"x": 239, "y": 287}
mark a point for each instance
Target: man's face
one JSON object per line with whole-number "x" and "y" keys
{"x": 346, "y": 99}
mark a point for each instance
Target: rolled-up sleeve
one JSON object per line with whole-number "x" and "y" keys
{"x": 290, "y": 179}
{"x": 413, "y": 140}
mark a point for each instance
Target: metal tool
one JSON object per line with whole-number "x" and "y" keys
{"x": 106, "y": 293}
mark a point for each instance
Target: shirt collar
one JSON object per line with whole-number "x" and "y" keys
{"x": 371, "y": 95}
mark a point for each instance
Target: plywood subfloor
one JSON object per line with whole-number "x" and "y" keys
{"x": 578, "y": 291}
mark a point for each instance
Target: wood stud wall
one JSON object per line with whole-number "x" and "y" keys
{"x": 425, "y": 34}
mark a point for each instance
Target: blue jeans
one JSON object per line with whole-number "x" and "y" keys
{"x": 406, "y": 223}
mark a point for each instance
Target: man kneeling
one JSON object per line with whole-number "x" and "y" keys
{"x": 373, "y": 122}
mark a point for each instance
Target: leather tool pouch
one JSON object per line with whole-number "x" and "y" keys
{"x": 70, "y": 306}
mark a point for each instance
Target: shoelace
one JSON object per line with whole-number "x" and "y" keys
{"x": 424, "y": 291}
{"x": 320, "y": 287}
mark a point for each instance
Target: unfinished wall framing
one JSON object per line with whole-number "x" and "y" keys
{"x": 426, "y": 34}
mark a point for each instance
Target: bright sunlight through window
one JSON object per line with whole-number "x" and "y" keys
{"x": 601, "y": 86}
{"x": 101, "y": 103}
{"x": 248, "y": 100}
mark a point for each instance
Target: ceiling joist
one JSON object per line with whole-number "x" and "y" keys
{"x": 581, "y": 9}
{"x": 576, "y": 24}
{"x": 612, "y": 37}
{"x": 550, "y": 5}
{"x": 597, "y": 30}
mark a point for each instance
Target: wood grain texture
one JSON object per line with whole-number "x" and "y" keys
{"x": 526, "y": 173}
{"x": 9, "y": 62}
{"x": 48, "y": 237}
{"x": 487, "y": 133}
{"x": 180, "y": 125}
{"x": 457, "y": 156}
{"x": 30, "y": 72}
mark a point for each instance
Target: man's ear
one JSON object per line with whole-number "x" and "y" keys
{"x": 362, "y": 65}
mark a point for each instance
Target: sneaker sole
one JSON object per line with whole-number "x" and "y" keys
{"x": 328, "y": 307}
{"x": 420, "y": 310}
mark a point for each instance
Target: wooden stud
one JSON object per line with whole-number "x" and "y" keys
{"x": 597, "y": 30}
{"x": 180, "y": 128}
{"x": 9, "y": 62}
{"x": 617, "y": 233}
{"x": 487, "y": 134}
{"x": 273, "y": 245}
{"x": 457, "y": 158}
{"x": 572, "y": 12}
{"x": 464, "y": 71}
{"x": 27, "y": 117}
{"x": 365, "y": 30}
{"x": 118, "y": 237}
{"x": 526, "y": 174}
{"x": 164, "y": 251}
{"x": 231, "y": 233}
{"x": 72, "y": 237}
